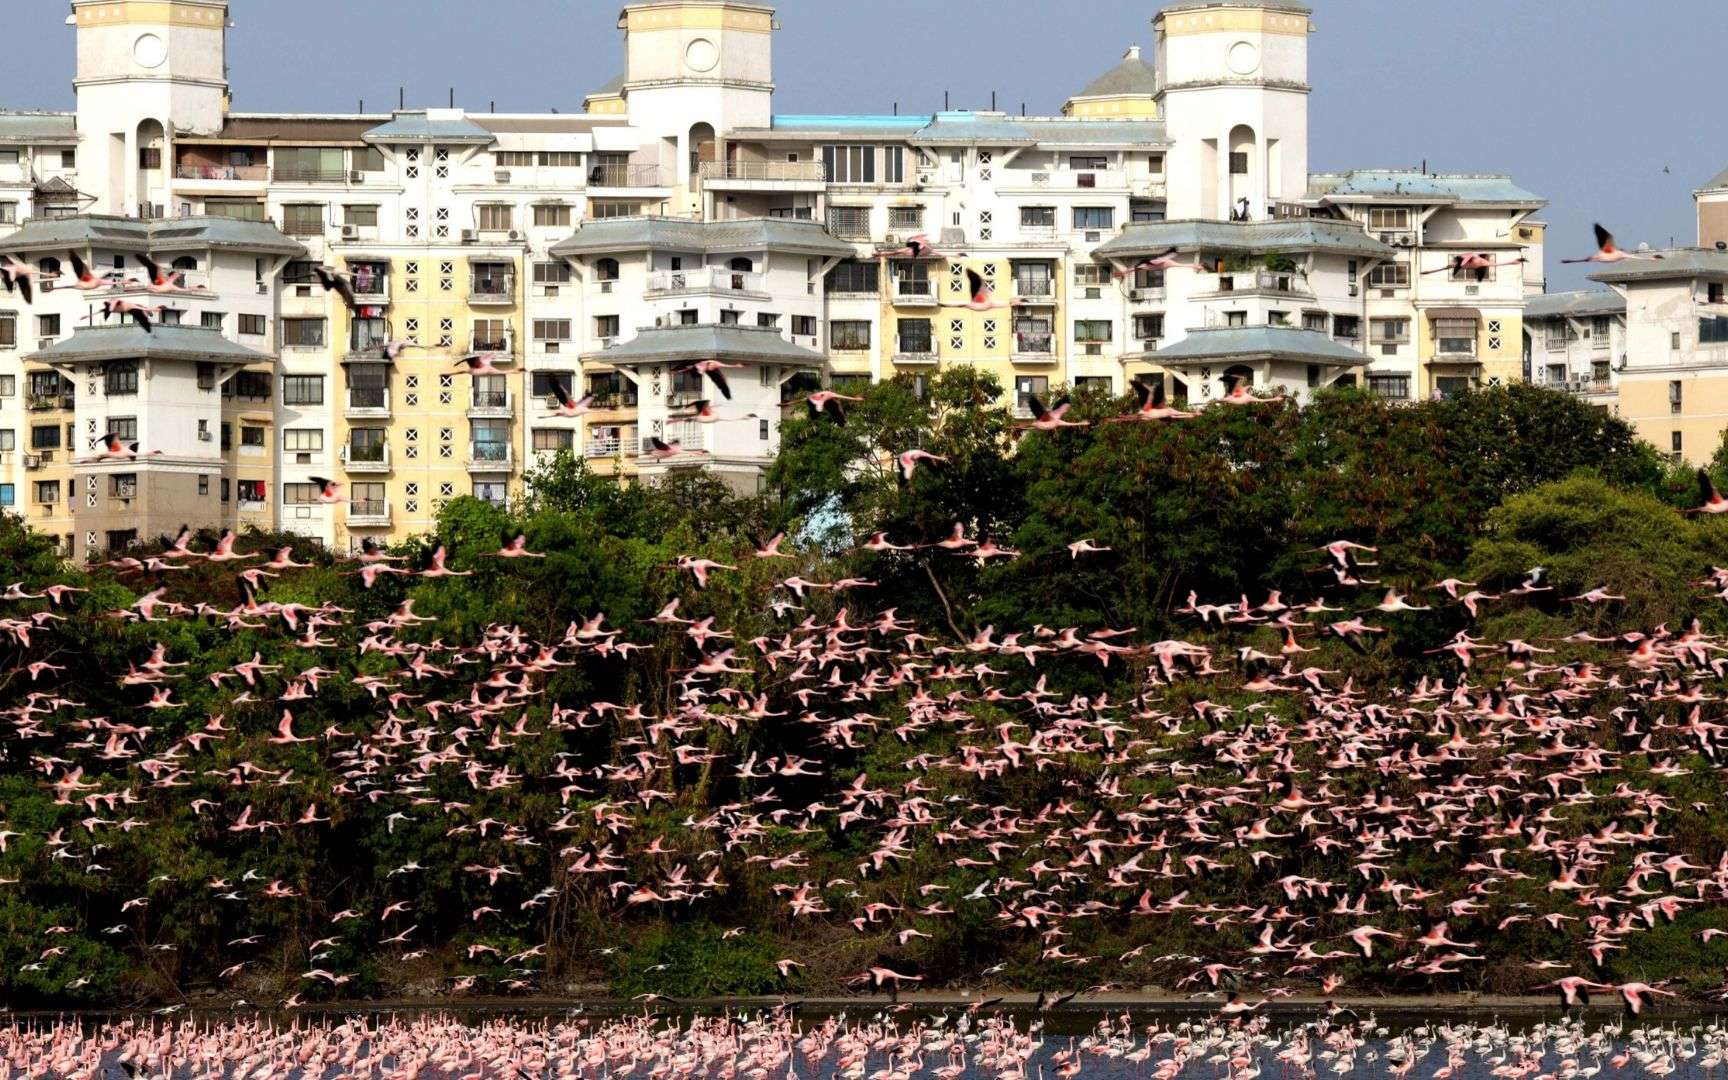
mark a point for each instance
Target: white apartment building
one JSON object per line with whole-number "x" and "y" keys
{"x": 678, "y": 218}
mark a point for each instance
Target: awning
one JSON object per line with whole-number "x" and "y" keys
{"x": 1453, "y": 313}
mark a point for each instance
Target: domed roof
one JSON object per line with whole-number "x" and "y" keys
{"x": 1133, "y": 76}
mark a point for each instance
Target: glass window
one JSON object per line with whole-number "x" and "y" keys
{"x": 915, "y": 336}
{"x": 1348, "y": 327}
{"x": 120, "y": 377}
{"x": 855, "y": 276}
{"x": 303, "y": 440}
{"x": 1389, "y": 330}
{"x": 45, "y": 437}
{"x": 361, "y": 216}
{"x": 804, "y": 325}
{"x": 211, "y": 320}
{"x": 551, "y": 329}
{"x": 550, "y": 217}
{"x": 8, "y": 330}
{"x": 251, "y": 491}
{"x": 850, "y": 164}
{"x": 1037, "y": 217}
{"x": 303, "y": 333}
{"x": 1090, "y": 218}
{"x": 8, "y": 439}
{"x": 551, "y": 440}
{"x": 1148, "y": 327}
{"x": 302, "y": 389}
{"x": 303, "y": 219}
{"x": 496, "y": 217}
{"x": 1390, "y": 218}
{"x": 48, "y": 326}
{"x": 251, "y": 435}
{"x": 1390, "y": 275}
{"x": 253, "y": 325}
{"x": 849, "y": 221}
{"x": 1092, "y": 330}
{"x": 849, "y": 334}
{"x": 126, "y": 427}
{"x": 367, "y": 159}
{"x": 558, "y": 273}
{"x": 906, "y": 217}
{"x": 1455, "y": 336}
{"x": 1389, "y": 385}
{"x": 47, "y": 491}
{"x": 299, "y": 494}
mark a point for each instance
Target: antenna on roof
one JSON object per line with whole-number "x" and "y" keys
{"x": 494, "y": 106}
{"x": 992, "y": 101}
{"x": 896, "y": 108}
{"x": 362, "y": 106}
{"x": 1424, "y": 166}
{"x": 452, "y": 97}
{"x": 401, "y": 97}
{"x": 944, "y": 101}
{"x": 1022, "y": 108}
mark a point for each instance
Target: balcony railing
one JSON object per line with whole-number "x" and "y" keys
{"x": 603, "y": 448}
{"x": 489, "y": 457}
{"x": 814, "y": 171}
{"x": 368, "y": 401}
{"x": 486, "y": 343}
{"x": 493, "y": 290}
{"x": 296, "y": 174}
{"x": 1035, "y": 344}
{"x": 366, "y": 459}
{"x": 1262, "y": 281}
{"x": 625, "y": 176}
{"x": 50, "y": 401}
{"x": 614, "y": 400}
{"x": 251, "y": 173}
{"x": 915, "y": 350}
{"x": 1034, "y": 288}
{"x": 704, "y": 279}
{"x": 1065, "y": 179}
{"x": 490, "y": 403}
{"x": 914, "y": 291}
{"x": 368, "y": 512}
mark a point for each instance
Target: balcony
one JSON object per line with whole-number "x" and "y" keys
{"x": 1036, "y": 347}
{"x": 614, "y": 401}
{"x": 366, "y": 459}
{"x": 1041, "y": 291}
{"x": 490, "y": 404}
{"x": 371, "y": 288}
{"x": 369, "y": 513}
{"x": 626, "y": 176}
{"x": 915, "y": 351}
{"x": 764, "y": 175}
{"x": 603, "y": 448}
{"x": 1274, "y": 282}
{"x": 297, "y": 175}
{"x": 493, "y": 290}
{"x": 489, "y": 457}
{"x": 1063, "y": 180}
{"x": 503, "y": 346}
{"x": 367, "y": 402}
{"x": 250, "y": 174}
{"x": 705, "y": 280}
{"x": 911, "y": 292}
{"x": 42, "y": 402}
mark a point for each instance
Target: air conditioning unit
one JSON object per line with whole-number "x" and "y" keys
{"x": 204, "y": 436}
{"x": 1094, "y": 349}
{"x": 1133, "y": 294}
{"x": 514, "y": 235}
{"x": 1094, "y": 294}
{"x": 32, "y": 461}
{"x": 350, "y": 232}
{"x": 606, "y": 287}
{"x": 549, "y": 346}
{"x": 469, "y": 236}
{"x": 502, "y": 176}
{"x": 1355, "y": 290}
{"x": 1472, "y": 290}
{"x": 356, "y": 177}
{"x": 302, "y": 459}
{"x": 263, "y": 288}
{"x": 546, "y": 291}
{"x": 1406, "y": 240}
{"x": 926, "y": 177}
{"x": 1094, "y": 237}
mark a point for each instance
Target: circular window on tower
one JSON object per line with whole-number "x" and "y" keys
{"x": 1244, "y": 58}
{"x": 149, "y": 50}
{"x": 701, "y": 55}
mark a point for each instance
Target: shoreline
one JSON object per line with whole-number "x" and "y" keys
{"x": 1021, "y": 1002}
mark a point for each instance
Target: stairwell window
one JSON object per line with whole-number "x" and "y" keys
{"x": 120, "y": 377}
{"x": 1455, "y": 337}
{"x": 303, "y": 333}
{"x": 1148, "y": 327}
{"x": 303, "y": 219}
{"x": 1712, "y": 331}
{"x": 1676, "y": 401}
{"x": 1390, "y": 276}
{"x": 854, "y": 276}
{"x": 849, "y": 222}
{"x": 8, "y": 330}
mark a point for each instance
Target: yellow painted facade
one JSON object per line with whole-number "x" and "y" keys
{"x": 1119, "y": 107}
{"x": 428, "y": 432}
{"x": 605, "y": 105}
{"x": 1499, "y": 352}
{"x": 170, "y": 12}
{"x": 1244, "y": 20}
{"x": 1646, "y": 402}
{"x": 697, "y": 17}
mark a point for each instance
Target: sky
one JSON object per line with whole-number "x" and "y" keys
{"x": 1603, "y": 107}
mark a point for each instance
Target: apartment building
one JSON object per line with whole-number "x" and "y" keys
{"x": 1576, "y": 342}
{"x": 678, "y": 217}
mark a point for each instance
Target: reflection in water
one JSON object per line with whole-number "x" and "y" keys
{"x": 953, "y": 1045}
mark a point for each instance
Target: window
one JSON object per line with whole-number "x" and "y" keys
{"x": 211, "y": 320}
{"x": 560, "y": 159}
{"x": 248, "y": 384}
{"x": 850, "y": 164}
{"x": 1092, "y": 218}
{"x": 364, "y": 217}
{"x": 1455, "y": 337}
{"x": 253, "y": 325}
{"x": 606, "y": 270}
{"x": 552, "y": 217}
{"x": 1038, "y": 217}
{"x": 1278, "y": 318}
{"x": 253, "y": 491}
{"x": 558, "y": 273}
{"x": 1386, "y": 331}
{"x": 1238, "y": 163}
{"x": 915, "y": 336}
{"x": 8, "y": 330}
{"x": 1601, "y": 327}
{"x": 1347, "y": 327}
{"x": 687, "y": 316}
{"x": 854, "y": 276}
{"x": 1092, "y": 330}
{"x": 123, "y": 486}
{"x": 1559, "y": 334}
{"x": 47, "y": 326}
{"x": 367, "y": 159}
{"x": 251, "y": 435}
{"x": 1235, "y": 318}
{"x": 1088, "y": 162}
{"x": 1091, "y": 275}
{"x": 225, "y": 489}
{"x": 496, "y": 217}
{"x": 367, "y": 335}
{"x": 45, "y": 437}
{"x": 553, "y": 440}
{"x": 47, "y": 491}
{"x": 1676, "y": 446}
{"x": 601, "y": 209}
{"x": 1028, "y": 386}
{"x": 1712, "y": 331}
{"x": 767, "y": 320}
{"x": 48, "y": 384}
{"x": 1389, "y": 385}
{"x": 912, "y": 279}
{"x": 729, "y": 317}
{"x": 1390, "y": 276}
{"x": 8, "y": 213}
{"x": 302, "y": 333}
{"x": 149, "y": 157}
{"x": 8, "y": 494}
{"x": 236, "y": 209}
{"x": 303, "y": 219}
{"x": 1316, "y": 320}
{"x": 1148, "y": 279}
{"x": 302, "y": 389}
{"x": 303, "y": 441}
{"x": 906, "y": 217}
{"x": 170, "y": 317}
{"x": 804, "y": 326}
{"x": 1675, "y": 402}
{"x": 849, "y": 335}
{"x": 126, "y": 427}
{"x": 8, "y": 440}
{"x": 852, "y": 222}
{"x": 893, "y": 165}
{"x": 120, "y": 377}
{"x": 513, "y": 159}
{"x": 292, "y": 494}
{"x": 1148, "y": 327}
{"x": 68, "y": 159}
{"x": 310, "y": 163}
{"x": 1713, "y": 292}
{"x": 1032, "y": 336}
{"x": 227, "y": 436}
{"x": 1389, "y": 218}
{"x": 551, "y": 329}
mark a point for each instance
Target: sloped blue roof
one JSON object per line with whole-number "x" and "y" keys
{"x": 422, "y": 127}
{"x": 961, "y": 127}
{"x": 678, "y": 234}
{"x": 1418, "y": 186}
{"x": 1578, "y": 303}
{"x": 1691, "y": 262}
{"x": 130, "y": 341}
{"x": 107, "y": 233}
{"x": 1245, "y": 341}
{"x": 16, "y": 127}
{"x": 710, "y": 342}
